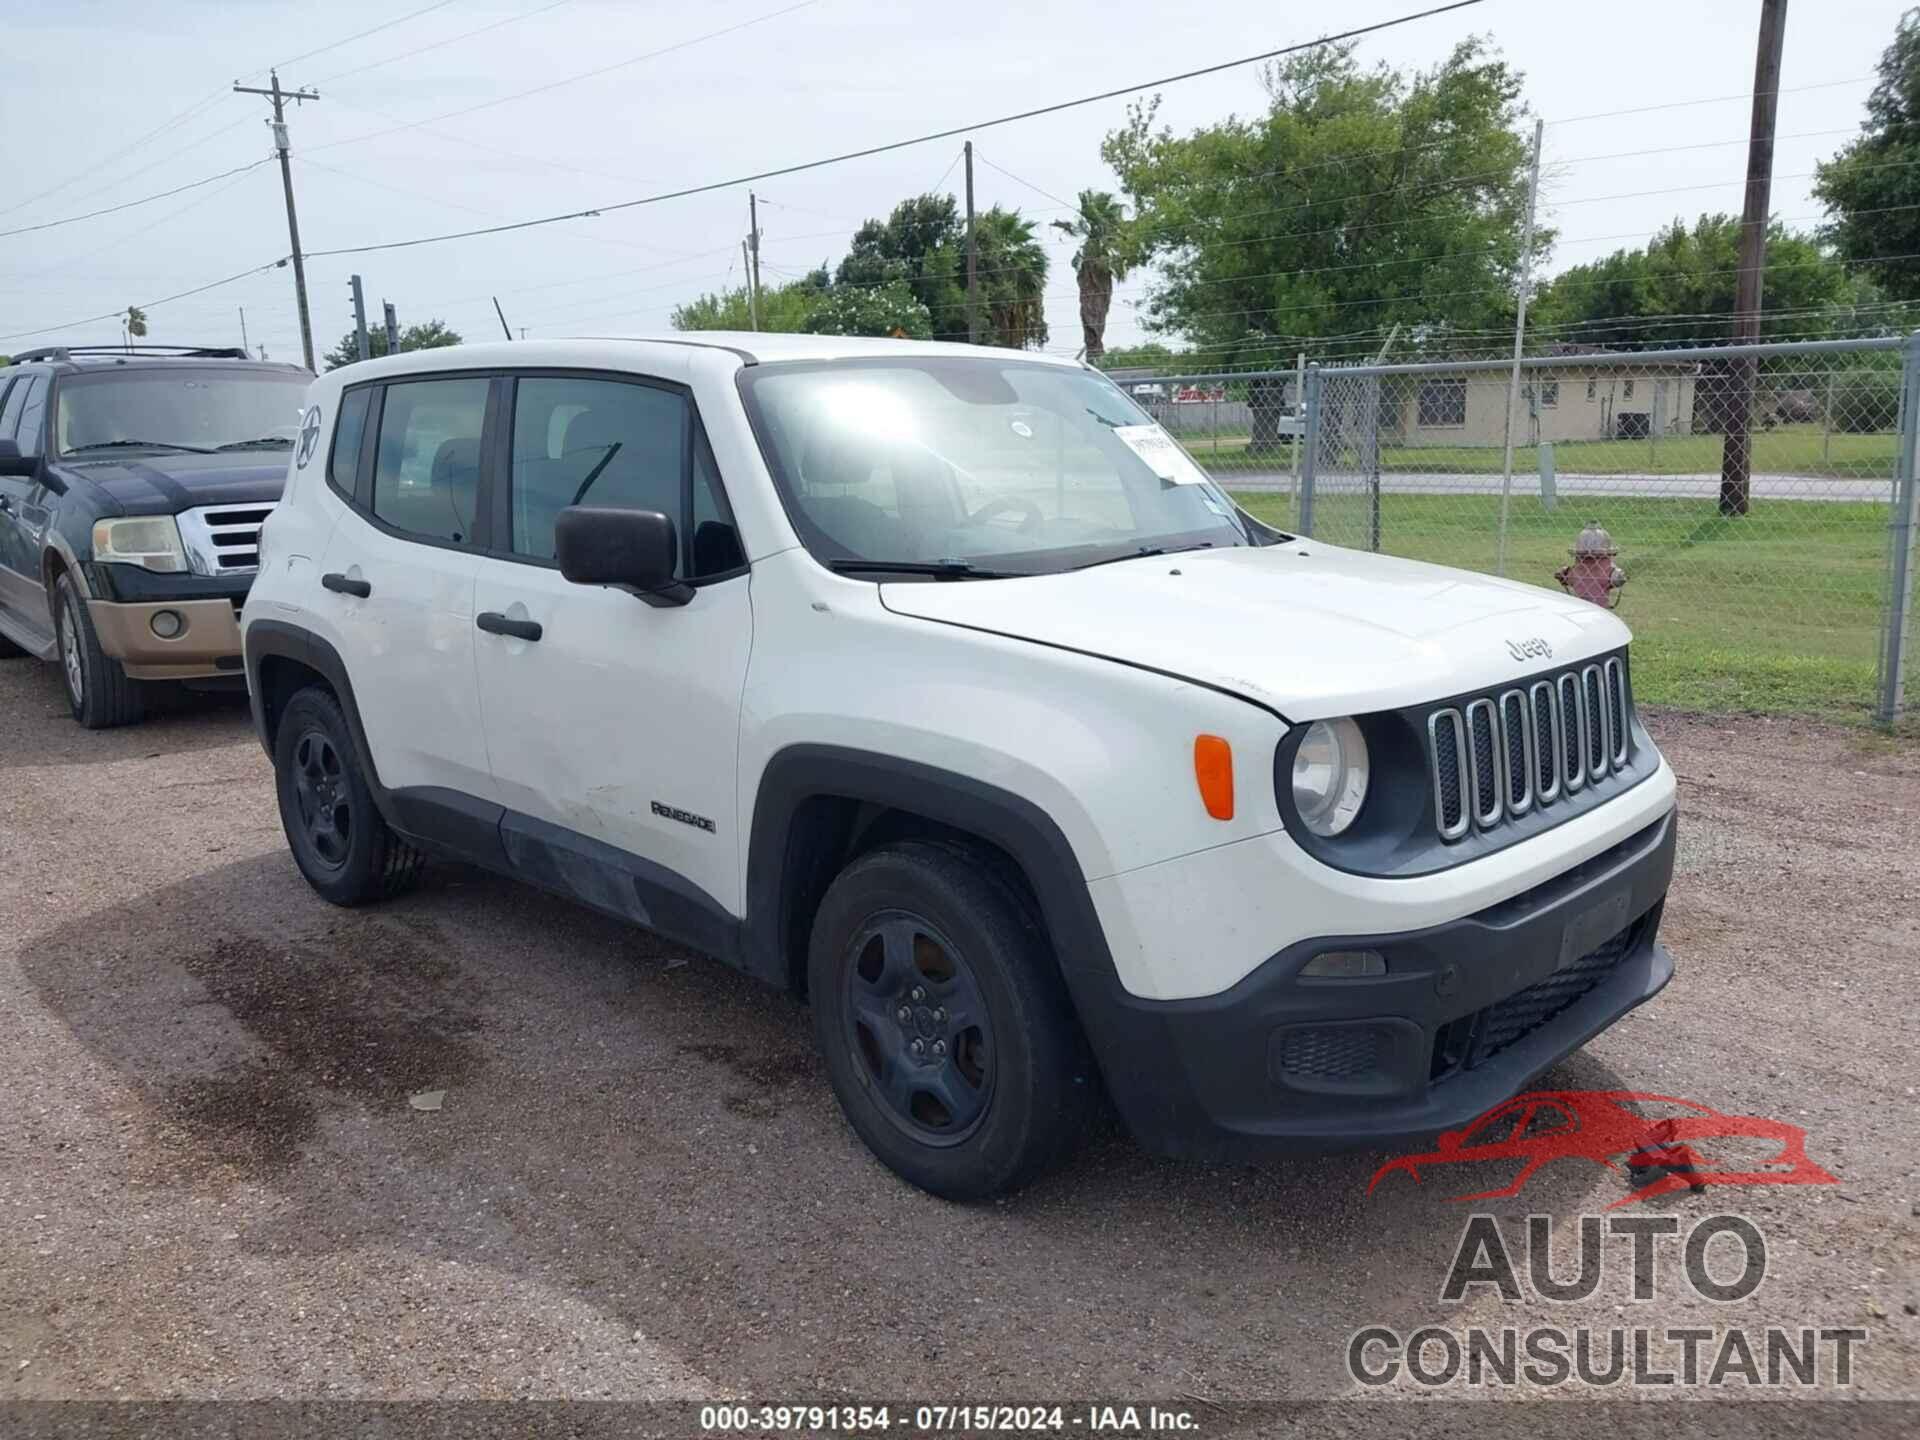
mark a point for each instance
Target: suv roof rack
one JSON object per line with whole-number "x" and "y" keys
{"x": 182, "y": 352}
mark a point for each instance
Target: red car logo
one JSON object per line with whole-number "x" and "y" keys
{"x": 1664, "y": 1142}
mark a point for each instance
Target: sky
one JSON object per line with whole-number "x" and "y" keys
{"x": 431, "y": 143}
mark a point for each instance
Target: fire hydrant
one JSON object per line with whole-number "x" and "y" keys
{"x": 1593, "y": 575}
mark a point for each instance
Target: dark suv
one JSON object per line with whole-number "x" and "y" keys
{"x": 133, "y": 482}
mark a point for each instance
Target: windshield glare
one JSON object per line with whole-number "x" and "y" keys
{"x": 183, "y": 407}
{"x": 1011, "y": 466}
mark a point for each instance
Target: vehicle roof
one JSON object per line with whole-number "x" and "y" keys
{"x": 752, "y": 348}
{"x": 96, "y": 364}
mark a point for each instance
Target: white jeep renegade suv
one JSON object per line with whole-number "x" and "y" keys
{"x": 937, "y": 684}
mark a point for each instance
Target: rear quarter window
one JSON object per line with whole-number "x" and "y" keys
{"x": 349, "y": 430}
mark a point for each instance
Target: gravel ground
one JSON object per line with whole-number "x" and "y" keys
{"x": 212, "y": 1183}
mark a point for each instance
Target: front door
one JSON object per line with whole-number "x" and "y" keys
{"x": 398, "y": 587}
{"x": 620, "y": 722}
{"x": 24, "y": 514}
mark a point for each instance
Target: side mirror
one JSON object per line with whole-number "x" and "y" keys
{"x": 636, "y": 550}
{"x": 12, "y": 462}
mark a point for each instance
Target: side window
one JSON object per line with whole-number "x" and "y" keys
{"x": 33, "y": 414}
{"x": 349, "y": 429}
{"x": 716, "y": 543}
{"x": 426, "y": 470}
{"x": 16, "y": 401}
{"x": 593, "y": 442}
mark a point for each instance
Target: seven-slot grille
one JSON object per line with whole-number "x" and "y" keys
{"x": 224, "y": 539}
{"x": 1497, "y": 756}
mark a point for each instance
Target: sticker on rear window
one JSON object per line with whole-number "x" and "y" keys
{"x": 1162, "y": 454}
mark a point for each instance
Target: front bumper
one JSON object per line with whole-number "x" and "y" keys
{"x": 208, "y": 641}
{"x": 1468, "y": 1013}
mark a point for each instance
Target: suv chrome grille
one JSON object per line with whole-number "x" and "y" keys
{"x": 1496, "y": 757}
{"x": 223, "y": 539}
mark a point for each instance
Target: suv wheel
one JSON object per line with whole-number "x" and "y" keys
{"x": 946, "y": 1028}
{"x": 98, "y": 690}
{"x": 339, "y": 840}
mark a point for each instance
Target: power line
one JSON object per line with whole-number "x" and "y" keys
{"x": 148, "y": 304}
{"x": 143, "y": 200}
{"x": 126, "y": 149}
{"x": 361, "y": 35}
{"x": 904, "y": 144}
{"x": 573, "y": 79}
{"x": 437, "y": 44}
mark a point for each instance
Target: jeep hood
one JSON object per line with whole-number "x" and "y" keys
{"x": 165, "y": 484}
{"x": 1304, "y": 628}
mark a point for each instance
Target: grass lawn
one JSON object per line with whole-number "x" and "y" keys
{"x": 1787, "y": 450}
{"x": 1779, "y": 611}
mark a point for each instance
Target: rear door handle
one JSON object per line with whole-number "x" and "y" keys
{"x": 494, "y": 623}
{"x": 340, "y": 584}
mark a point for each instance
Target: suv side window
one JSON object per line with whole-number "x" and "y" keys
{"x": 426, "y": 469}
{"x": 33, "y": 416}
{"x": 10, "y": 412}
{"x": 349, "y": 430}
{"x": 584, "y": 441}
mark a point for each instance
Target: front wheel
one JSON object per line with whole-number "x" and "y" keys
{"x": 946, "y": 1028}
{"x": 99, "y": 691}
{"x": 339, "y": 839}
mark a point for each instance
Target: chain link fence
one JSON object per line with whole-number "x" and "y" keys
{"x": 1757, "y": 501}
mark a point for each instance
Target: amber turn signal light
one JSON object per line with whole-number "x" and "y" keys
{"x": 1213, "y": 772}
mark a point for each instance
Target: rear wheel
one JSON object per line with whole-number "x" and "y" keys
{"x": 946, "y": 1028}
{"x": 98, "y": 689}
{"x": 339, "y": 839}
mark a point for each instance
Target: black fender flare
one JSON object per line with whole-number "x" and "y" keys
{"x": 1121, "y": 1031}
{"x": 266, "y": 638}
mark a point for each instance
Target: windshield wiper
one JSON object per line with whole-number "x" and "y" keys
{"x": 1110, "y": 424}
{"x": 278, "y": 442}
{"x": 1145, "y": 551}
{"x": 137, "y": 445}
{"x": 938, "y": 569}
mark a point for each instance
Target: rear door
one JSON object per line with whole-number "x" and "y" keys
{"x": 397, "y": 582}
{"x": 24, "y": 509}
{"x": 620, "y": 722}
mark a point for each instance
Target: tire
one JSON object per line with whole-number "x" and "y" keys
{"x": 1010, "y": 1090}
{"x": 98, "y": 690}
{"x": 342, "y": 845}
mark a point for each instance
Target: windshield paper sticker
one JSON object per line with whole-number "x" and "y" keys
{"x": 1162, "y": 454}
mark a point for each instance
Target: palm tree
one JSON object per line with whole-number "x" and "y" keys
{"x": 1108, "y": 250}
{"x": 1013, "y": 279}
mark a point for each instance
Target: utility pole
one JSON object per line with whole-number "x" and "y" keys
{"x": 753, "y": 244}
{"x": 973, "y": 259}
{"x": 243, "y": 329}
{"x": 503, "y": 318}
{"x": 360, "y": 318}
{"x": 393, "y": 327}
{"x": 1736, "y": 453}
{"x": 279, "y": 97}
{"x": 1519, "y": 339}
{"x": 753, "y": 300}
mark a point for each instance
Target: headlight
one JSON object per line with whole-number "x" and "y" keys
{"x": 1330, "y": 775}
{"x": 149, "y": 541}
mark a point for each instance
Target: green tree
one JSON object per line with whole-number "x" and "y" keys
{"x": 1359, "y": 199}
{"x": 1872, "y": 187}
{"x": 432, "y": 335}
{"x": 1680, "y": 287}
{"x": 783, "y": 308}
{"x": 1011, "y": 274}
{"x": 889, "y": 309}
{"x": 1107, "y": 253}
{"x": 922, "y": 244}
{"x": 136, "y": 323}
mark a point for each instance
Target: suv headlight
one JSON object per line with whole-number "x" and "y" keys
{"x": 1330, "y": 775}
{"x": 150, "y": 541}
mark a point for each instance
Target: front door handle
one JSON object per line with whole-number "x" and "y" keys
{"x": 494, "y": 623}
{"x": 341, "y": 585}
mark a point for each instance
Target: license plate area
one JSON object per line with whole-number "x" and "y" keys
{"x": 1594, "y": 926}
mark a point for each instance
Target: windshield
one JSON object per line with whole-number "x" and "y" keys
{"x": 179, "y": 408}
{"x": 958, "y": 465}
